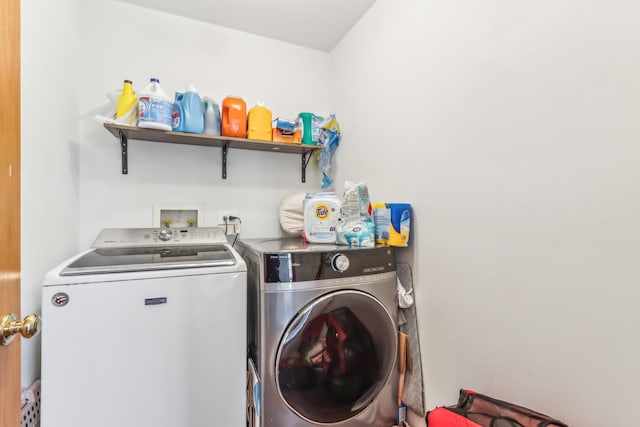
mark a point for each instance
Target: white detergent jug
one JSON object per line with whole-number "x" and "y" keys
{"x": 154, "y": 107}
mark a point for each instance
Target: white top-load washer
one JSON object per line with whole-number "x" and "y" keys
{"x": 146, "y": 328}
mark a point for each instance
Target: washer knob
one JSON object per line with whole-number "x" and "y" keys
{"x": 165, "y": 234}
{"x": 340, "y": 263}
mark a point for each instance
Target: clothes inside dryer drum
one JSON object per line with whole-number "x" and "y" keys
{"x": 331, "y": 363}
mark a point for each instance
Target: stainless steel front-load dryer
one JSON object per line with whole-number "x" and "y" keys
{"x": 322, "y": 334}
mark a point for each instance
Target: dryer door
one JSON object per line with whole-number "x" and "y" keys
{"x": 335, "y": 356}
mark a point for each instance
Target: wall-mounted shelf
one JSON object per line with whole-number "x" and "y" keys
{"x": 125, "y": 133}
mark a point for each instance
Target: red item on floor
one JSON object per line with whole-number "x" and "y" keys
{"x": 478, "y": 410}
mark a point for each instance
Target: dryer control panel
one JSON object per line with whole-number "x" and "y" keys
{"x": 285, "y": 267}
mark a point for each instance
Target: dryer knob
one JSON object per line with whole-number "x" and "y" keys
{"x": 340, "y": 262}
{"x": 165, "y": 234}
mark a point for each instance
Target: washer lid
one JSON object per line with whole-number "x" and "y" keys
{"x": 120, "y": 260}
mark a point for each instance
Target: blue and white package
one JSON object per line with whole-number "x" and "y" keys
{"x": 329, "y": 138}
{"x": 155, "y": 110}
{"x": 356, "y": 227}
{"x": 356, "y": 234}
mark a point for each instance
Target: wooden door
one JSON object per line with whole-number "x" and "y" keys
{"x": 10, "y": 205}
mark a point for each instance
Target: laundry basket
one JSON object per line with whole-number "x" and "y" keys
{"x": 31, "y": 406}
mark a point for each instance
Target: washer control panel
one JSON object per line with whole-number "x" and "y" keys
{"x": 165, "y": 234}
{"x": 143, "y": 237}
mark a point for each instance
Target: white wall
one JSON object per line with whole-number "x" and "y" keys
{"x": 73, "y": 53}
{"x": 122, "y": 41}
{"x": 49, "y": 199}
{"x": 512, "y": 127}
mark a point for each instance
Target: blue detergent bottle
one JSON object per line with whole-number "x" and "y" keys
{"x": 177, "y": 125}
{"x": 188, "y": 115}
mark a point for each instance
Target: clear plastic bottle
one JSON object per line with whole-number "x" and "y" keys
{"x": 154, "y": 107}
{"x": 211, "y": 117}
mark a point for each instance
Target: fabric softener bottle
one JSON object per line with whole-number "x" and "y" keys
{"x": 188, "y": 115}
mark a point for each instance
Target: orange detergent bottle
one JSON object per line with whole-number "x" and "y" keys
{"x": 259, "y": 119}
{"x": 234, "y": 117}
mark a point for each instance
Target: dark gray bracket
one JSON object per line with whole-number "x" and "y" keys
{"x": 125, "y": 150}
{"x": 305, "y": 161}
{"x": 225, "y": 152}
{"x": 306, "y": 157}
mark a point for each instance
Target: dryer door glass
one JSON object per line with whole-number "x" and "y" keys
{"x": 336, "y": 356}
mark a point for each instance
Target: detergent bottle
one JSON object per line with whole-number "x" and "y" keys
{"x": 188, "y": 115}
{"x": 311, "y": 128}
{"x": 211, "y": 117}
{"x": 177, "y": 123}
{"x": 154, "y": 107}
{"x": 234, "y": 117}
{"x": 127, "y": 99}
{"x": 259, "y": 119}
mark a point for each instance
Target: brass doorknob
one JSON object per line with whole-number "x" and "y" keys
{"x": 10, "y": 326}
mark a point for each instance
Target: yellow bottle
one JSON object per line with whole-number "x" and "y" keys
{"x": 127, "y": 100}
{"x": 259, "y": 118}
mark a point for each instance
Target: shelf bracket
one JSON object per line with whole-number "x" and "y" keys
{"x": 305, "y": 161}
{"x": 225, "y": 151}
{"x": 125, "y": 149}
